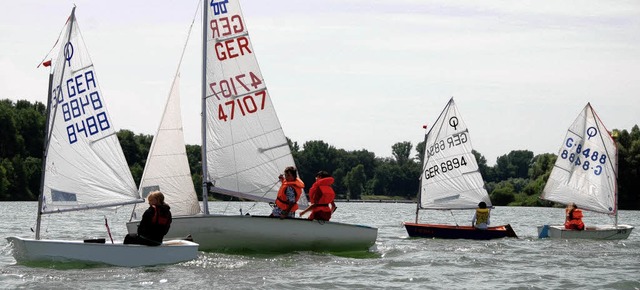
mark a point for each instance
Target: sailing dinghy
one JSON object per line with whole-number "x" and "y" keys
{"x": 244, "y": 150}
{"x": 451, "y": 181}
{"x": 586, "y": 174}
{"x": 84, "y": 167}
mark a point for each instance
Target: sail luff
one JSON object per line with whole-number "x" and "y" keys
{"x": 49, "y": 127}
{"x": 203, "y": 113}
{"x": 613, "y": 162}
{"x": 424, "y": 157}
{"x": 44, "y": 158}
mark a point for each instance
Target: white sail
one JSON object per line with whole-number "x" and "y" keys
{"x": 246, "y": 148}
{"x": 85, "y": 165}
{"x": 586, "y": 169}
{"x": 167, "y": 166}
{"x": 450, "y": 177}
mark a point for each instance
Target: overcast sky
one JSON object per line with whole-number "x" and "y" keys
{"x": 359, "y": 74}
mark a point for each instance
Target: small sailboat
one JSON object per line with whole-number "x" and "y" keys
{"x": 244, "y": 149}
{"x": 586, "y": 174}
{"x": 451, "y": 180}
{"x": 84, "y": 167}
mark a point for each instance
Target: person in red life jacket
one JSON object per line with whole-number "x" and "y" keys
{"x": 321, "y": 196}
{"x": 481, "y": 218}
{"x": 155, "y": 222}
{"x": 286, "y": 202}
{"x": 573, "y": 219}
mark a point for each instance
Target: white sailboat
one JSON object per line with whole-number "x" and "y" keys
{"x": 244, "y": 150}
{"x": 451, "y": 180}
{"x": 586, "y": 174}
{"x": 84, "y": 167}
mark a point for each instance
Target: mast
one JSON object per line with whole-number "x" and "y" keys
{"x": 615, "y": 189}
{"x": 44, "y": 158}
{"x": 47, "y": 133}
{"x": 422, "y": 172}
{"x": 203, "y": 128}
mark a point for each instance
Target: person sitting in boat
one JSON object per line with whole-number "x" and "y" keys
{"x": 286, "y": 202}
{"x": 321, "y": 196}
{"x": 573, "y": 218}
{"x": 481, "y": 217}
{"x": 155, "y": 222}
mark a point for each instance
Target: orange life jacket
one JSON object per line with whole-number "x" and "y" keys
{"x": 282, "y": 201}
{"x": 321, "y": 193}
{"x": 575, "y": 220}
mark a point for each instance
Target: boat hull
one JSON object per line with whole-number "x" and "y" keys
{"x": 458, "y": 232}
{"x": 222, "y": 233}
{"x": 600, "y": 232}
{"x": 117, "y": 254}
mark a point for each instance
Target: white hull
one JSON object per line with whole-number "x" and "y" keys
{"x": 266, "y": 234}
{"x": 605, "y": 232}
{"x": 170, "y": 252}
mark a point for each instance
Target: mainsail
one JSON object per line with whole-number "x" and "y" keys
{"x": 246, "y": 148}
{"x": 167, "y": 167}
{"x": 450, "y": 178}
{"x": 85, "y": 166}
{"x": 586, "y": 169}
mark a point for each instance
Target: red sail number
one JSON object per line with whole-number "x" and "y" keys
{"x": 244, "y": 105}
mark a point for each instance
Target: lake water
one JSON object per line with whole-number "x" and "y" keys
{"x": 396, "y": 262}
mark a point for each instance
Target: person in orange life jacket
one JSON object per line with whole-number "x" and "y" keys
{"x": 155, "y": 222}
{"x": 286, "y": 202}
{"x": 481, "y": 217}
{"x": 321, "y": 196}
{"x": 573, "y": 217}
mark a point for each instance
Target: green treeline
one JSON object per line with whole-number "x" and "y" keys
{"x": 517, "y": 178}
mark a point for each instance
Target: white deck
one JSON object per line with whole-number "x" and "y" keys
{"x": 117, "y": 254}
{"x": 600, "y": 232}
{"x": 261, "y": 233}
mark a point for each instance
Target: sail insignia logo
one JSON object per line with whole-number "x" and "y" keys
{"x": 68, "y": 52}
{"x": 219, "y": 6}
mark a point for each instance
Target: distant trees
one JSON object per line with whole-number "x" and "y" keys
{"x": 21, "y": 139}
{"x": 628, "y": 168}
{"x": 517, "y": 178}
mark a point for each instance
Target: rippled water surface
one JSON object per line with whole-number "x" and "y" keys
{"x": 396, "y": 262}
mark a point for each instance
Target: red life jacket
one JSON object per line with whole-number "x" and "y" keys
{"x": 282, "y": 201}
{"x": 160, "y": 219}
{"x": 321, "y": 193}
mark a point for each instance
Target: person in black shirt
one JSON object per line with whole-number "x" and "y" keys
{"x": 155, "y": 222}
